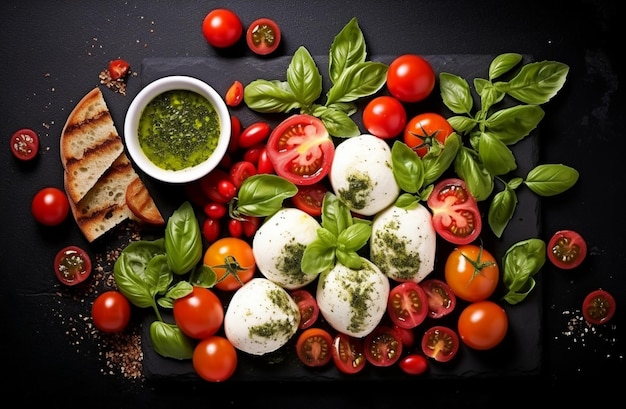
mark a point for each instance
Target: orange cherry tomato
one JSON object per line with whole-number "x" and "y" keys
{"x": 472, "y": 272}
{"x": 483, "y": 325}
{"x": 232, "y": 260}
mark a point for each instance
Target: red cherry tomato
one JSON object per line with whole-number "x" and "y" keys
{"x": 567, "y": 249}
{"x": 234, "y": 94}
{"x": 253, "y": 153}
{"x": 210, "y": 185}
{"x": 383, "y": 346}
{"x": 50, "y": 206}
{"x": 199, "y": 314}
{"x": 384, "y": 117}
{"x": 215, "y": 210}
{"x": 441, "y": 298}
{"x": 254, "y": 134}
{"x": 410, "y": 78}
{"x": 211, "y": 229}
{"x": 425, "y": 131}
{"x": 456, "y": 216}
{"x": 314, "y": 347}
{"x": 118, "y": 69}
{"x": 348, "y": 354}
{"x": 309, "y": 310}
{"x": 472, "y": 272}
{"x": 483, "y": 325}
{"x": 235, "y": 131}
{"x": 25, "y": 144}
{"x": 440, "y": 343}
{"x": 241, "y": 171}
{"x": 309, "y": 198}
{"x": 235, "y": 228}
{"x": 407, "y": 305}
{"x": 111, "y": 312}
{"x": 222, "y": 28}
{"x": 598, "y": 307}
{"x": 215, "y": 359}
{"x": 414, "y": 364}
{"x": 301, "y": 150}
{"x": 265, "y": 165}
{"x": 407, "y": 335}
{"x": 263, "y": 36}
{"x": 250, "y": 225}
{"x": 72, "y": 265}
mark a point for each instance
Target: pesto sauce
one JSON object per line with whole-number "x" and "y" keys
{"x": 289, "y": 261}
{"x": 357, "y": 194}
{"x": 359, "y": 290}
{"x": 178, "y": 129}
{"x": 275, "y": 328}
{"x": 392, "y": 254}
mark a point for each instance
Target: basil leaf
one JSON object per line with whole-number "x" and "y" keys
{"x": 336, "y": 216}
{"x": 337, "y": 123}
{"x": 406, "y": 201}
{"x": 436, "y": 165}
{"x": 462, "y": 124}
{"x": 304, "y": 78}
{"x": 501, "y": 210}
{"x": 502, "y": 64}
{"x": 263, "y": 194}
{"x": 408, "y": 169}
{"x": 520, "y": 263}
{"x": 510, "y": 125}
{"x": 489, "y": 94}
{"x": 169, "y": 341}
{"x": 537, "y": 82}
{"x": 359, "y": 80}
{"x": 478, "y": 180}
{"x": 347, "y": 49}
{"x": 354, "y": 237}
{"x": 317, "y": 257}
{"x": 349, "y": 259}
{"x": 456, "y": 94}
{"x": 495, "y": 156}
{"x": 183, "y": 240}
{"x": 203, "y": 276}
{"x": 270, "y": 96}
{"x": 551, "y": 179}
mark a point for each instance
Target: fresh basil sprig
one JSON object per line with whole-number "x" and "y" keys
{"x": 262, "y": 195}
{"x": 521, "y": 262}
{"x": 352, "y": 77}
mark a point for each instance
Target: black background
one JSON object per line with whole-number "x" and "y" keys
{"x": 52, "y": 53}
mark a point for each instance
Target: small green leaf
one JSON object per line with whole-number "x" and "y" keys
{"x": 357, "y": 81}
{"x": 435, "y": 165}
{"x": 203, "y": 276}
{"x": 347, "y": 49}
{"x": 537, "y": 82}
{"x": 462, "y": 124}
{"x": 270, "y": 96}
{"x": 337, "y": 123}
{"x": 456, "y": 94}
{"x": 502, "y": 64}
{"x": 510, "y": 125}
{"x": 551, "y": 179}
{"x": 304, "y": 78}
{"x": 501, "y": 211}
{"x": 263, "y": 194}
{"x": 169, "y": 341}
{"x": 317, "y": 257}
{"x": 520, "y": 263}
{"x": 408, "y": 169}
{"x": 468, "y": 167}
{"x": 183, "y": 240}
{"x": 354, "y": 237}
{"x": 495, "y": 156}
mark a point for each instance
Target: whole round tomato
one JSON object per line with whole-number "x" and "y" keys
{"x": 567, "y": 249}
{"x": 314, "y": 347}
{"x": 383, "y": 346}
{"x": 441, "y": 298}
{"x": 410, "y": 78}
{"x": 427, "y": 131}
{"x": 414, "y": 364}
{"x": 440, "y": 343}
{"x": 254, "y": 134}
{"x": 407, "y": 305}
{"x": 483, "y": 325}
{"x": 111, "y": 312}
{"x": 263, "y": 36}
{"x": 598, "y": 307}
{"x": 72, "y": 265}
{"x": 310, "y": 198}
{"x": 348, "y": 354}
{"x": 472, "y": 272}
{"x": 214, "y": 359}
{"x": 50, "y": 206}
{"x": 199, "y": 314}
{"x": 384, "y": 117}
{"x": 301, "y": 150}
{"x": 222, "y": 28}
{"x": 307, "y": 305}
{"x": 456, "y": 217}
{"x": 25, "y": 144}
{"x": 232, "y": 260}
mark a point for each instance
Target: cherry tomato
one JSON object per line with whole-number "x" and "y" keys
{"x": 441, "y": 298}
{"x": 472, "y": 272}
{"x": 25, "y": 144}
{"x": 314, "y": 347}
{"x": 118, "y": 69}
{"x": 456, "y": 217}
{"x": 226, "y": 189}
{"x": 407, "y": 305}
{"x": 567, "y": 249}
{"x": 222, "y": 28}
{"x": 210, "y": 185}
{"x": 383, "y": 346}
{"x": 348, "y": 354}
{"x": 199, "y": 314}
{"x": 250, "y": 225}
{"x": 483, "y": 325}
{"x": 241, "y": 171}
{"x": 254, "y": 134}
{"x": 50, "y": 206}
{"x": 427, "y": 131}
{"x": 253, "y": 153}
{"x": 410, "y": 78}
{"x": 263, "y": 36}
{"x": 265, "y": 165}
{"x": 111, "y": 312}
{"x": 309, "y": 310}
{"x": 384, "y": 117}
{"x": 598, "y": 307}
{"x": 301, "y": 150}
{"x": 440, "y": 343}
{"x": 215, "y": 210}
{"x": 72, "y": 265}
{"x": 210, "y": 229}
{"x": 414, "y": 364}
{"x": 234, "y": 94}
{"x": 215, "y": 359}
{"x": 309, "y": 198}
{"x": 235, "y": 228}
{"x": 235, "y": 132}
{"x": 232, "y": 260}
{"x": 407, "y": 335}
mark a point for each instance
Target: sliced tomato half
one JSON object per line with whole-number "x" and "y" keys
{"x": 407, "y": 305}
{"x": 310, "y": 198}
{"x": 348, "y": 353}
{"x": 309, "y": 310}
{"x": 301, "y": 150}
{"x": 456, "y": 216}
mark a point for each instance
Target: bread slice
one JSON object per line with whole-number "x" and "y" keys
{"x": 142, "y": 205}
{"x": 90, "y": 144}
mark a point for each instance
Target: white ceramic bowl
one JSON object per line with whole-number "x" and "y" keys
{"x": 137, "y": 106}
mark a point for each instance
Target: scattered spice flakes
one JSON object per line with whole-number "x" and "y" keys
{"x": 581, "y": 333}
{"x": 117, "y": 85}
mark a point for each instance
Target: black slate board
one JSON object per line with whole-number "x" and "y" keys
{"x": 520, "y": 352}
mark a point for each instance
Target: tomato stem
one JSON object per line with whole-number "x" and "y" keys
{"x": 232, "y": 266}
{"x": 477, "y": 264}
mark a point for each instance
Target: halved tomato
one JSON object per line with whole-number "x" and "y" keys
{"x": 309, "y": 310}
{"x": 310, "y": 198}
{"x": 441, "y": 299}
{"x": 72, "y": 265}
{"x": 234, "y": 94}
{"x": 348, "y": 353}
{"x": 314, "y": 347}
{"x": 263, "y": 36}
{"x": 598, "y": 307}
{"x": 407, "y": 305}
{"x": 440, "y": 343}
{"x": 383, "y": 346}
{"x": 25, "y": 144}
{"x": 301, "y": 150}
{"x": 567, "y": 249}
{"x": 456, "y": 216}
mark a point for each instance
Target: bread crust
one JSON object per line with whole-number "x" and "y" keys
{"x": 142, "y": 205}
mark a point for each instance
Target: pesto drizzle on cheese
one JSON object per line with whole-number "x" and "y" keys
{"x": 357, "y": 194}
{"x": 393, "y": 253}
{"x": 276, "y": 328}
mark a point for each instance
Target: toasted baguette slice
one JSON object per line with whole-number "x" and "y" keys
{"x": 90, "y": 144}
{"x": 104, "y": 206}
{"x": 141, "y": 203}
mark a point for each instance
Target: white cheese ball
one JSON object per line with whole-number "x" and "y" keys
{"x": 261, "y": 317}
{"x": 361, "y": 174}
{"x": 353, "y": 301}
{"x": 403, "y": 243}
{"x": 278, "y": 246}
